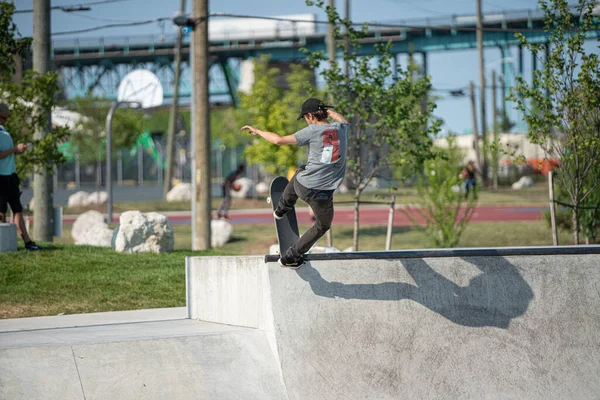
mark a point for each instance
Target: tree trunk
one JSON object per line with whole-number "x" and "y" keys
{"x": 356, "y": 214}
{"x": 575, "y": 218}
{"x": 98, "y": 178}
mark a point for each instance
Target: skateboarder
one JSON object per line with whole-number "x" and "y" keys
{"x": 316, "y": 181}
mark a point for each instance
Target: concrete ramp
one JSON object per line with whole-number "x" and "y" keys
{"x": 73, "y": 357}
{"x": 396, "y": 325}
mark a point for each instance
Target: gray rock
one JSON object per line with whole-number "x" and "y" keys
{"x": 78, "y": 199}
{"x": 86, "y": 222}
{"x": 221, "y": 231}
{"x": 144, "y": 232}
{"x": 181, "y": 192}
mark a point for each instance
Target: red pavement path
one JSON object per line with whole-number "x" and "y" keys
{"x": 368, "y": 215}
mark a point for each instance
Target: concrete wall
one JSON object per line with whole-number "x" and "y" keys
{"x": 418, "y": 328}
{"x": 8, "y": 237}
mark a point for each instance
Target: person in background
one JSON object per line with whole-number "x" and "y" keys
{"x": 10, "y": 194}
{"x": 228, "y": 184}
{"x": 468, "y": 175}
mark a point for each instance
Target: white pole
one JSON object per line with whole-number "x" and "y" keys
{"x": 388, "y": 239}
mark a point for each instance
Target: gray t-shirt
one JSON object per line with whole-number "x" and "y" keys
{"x": 327, "y": 146}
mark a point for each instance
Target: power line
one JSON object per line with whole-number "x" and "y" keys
{"x": 370, "y": 24}
{"x": 96, "y": 28}
{"x": 74, "y": 7}
{"x": 101, "y": 18}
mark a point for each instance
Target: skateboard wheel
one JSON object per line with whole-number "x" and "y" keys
{"x": 269, "y": 200}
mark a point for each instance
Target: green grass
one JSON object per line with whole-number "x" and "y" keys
{"x": 67, "y": 278}
{"x": 80, "y": 279}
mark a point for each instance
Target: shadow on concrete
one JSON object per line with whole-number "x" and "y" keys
{"x": 492, "y": 298}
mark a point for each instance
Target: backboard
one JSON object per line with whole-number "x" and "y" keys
{"x": 141, "y": 86}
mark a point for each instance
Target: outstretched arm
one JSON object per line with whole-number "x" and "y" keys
{"x": 337, "y": 117}
{"x": 271, "y": 136}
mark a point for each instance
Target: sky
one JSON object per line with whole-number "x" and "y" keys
{"x": 448, "y": 70}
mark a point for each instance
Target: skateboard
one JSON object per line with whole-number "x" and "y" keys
{"x": 287, "y": 227}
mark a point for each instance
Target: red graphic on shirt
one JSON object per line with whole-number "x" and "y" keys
{"x": 330, "y": 138}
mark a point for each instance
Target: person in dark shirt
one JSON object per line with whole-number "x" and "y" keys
{"x": 470, "y": 179}
{"x": 226, "y": 187}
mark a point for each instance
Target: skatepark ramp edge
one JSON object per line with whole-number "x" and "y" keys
{"x": 431, "y": 324}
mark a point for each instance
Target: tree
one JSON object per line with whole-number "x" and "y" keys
{"x": 275, "y": 110}
{"x": 566, "y": 96}
{"x": 390, "y": 114}
{"x": 440, "y": 201}
{"x": 24, "y": 97}
{"x": 89, "y": 137}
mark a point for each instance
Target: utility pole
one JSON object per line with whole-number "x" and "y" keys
{"x": 495, "y": 132}
{"x": 43, "y": 210}
{"x": 201, "y": 128}
{"x": 174, "y": 110}
{"x": 330, "y": 38}
{"x": 484, "y": 169}
{"x": 474, "y": 118}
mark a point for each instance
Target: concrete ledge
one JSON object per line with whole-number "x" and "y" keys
{"x": 461, "y": 252}
{"x": 8, "y": 237}
{"x": 461, "y": 323}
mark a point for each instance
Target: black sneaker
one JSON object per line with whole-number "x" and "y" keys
{"x": 292, "y": 265}
{"x": 32, "y": 246}
{"x": 277, "y": 215}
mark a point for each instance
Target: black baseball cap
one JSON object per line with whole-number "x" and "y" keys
{"x": 312, "y": 105}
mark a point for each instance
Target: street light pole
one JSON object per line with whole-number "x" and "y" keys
{"x": 109, "y": 191}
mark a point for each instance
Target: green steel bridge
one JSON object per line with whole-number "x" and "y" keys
{"x": 96, "y": 66}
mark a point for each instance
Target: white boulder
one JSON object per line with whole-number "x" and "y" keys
{"x": 85, "y": 222}
{"x": 97, "y": 198}
{"x": 180, "y": 192}
{"x": 524, "y": 182}
{"x": 274, "y": 249}
{"x": 78, "y": 199}
{"x": 342, "y": 189}
{"x": 221, "y": 231}
{"x": 262, "y": 188}
{"x": 144, "y": 232}
{"x": 246, "y": 188}
{"x": 323, "y": 249}
{"x": 98, "y": 235}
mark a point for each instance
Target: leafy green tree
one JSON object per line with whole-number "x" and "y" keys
{"x": 24, "y": 97}
{"x": 89, "y": 136}
{"x": 391, "y": 117}
{"x": 441, "y": 204}
{"x": 272, "y": 109}
{"x": 566, "y": 95}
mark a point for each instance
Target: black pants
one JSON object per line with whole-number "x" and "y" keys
{"x": 10, "y": 194}
{"x": 226, "y": 202}
{"x": 321, "y": 201}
